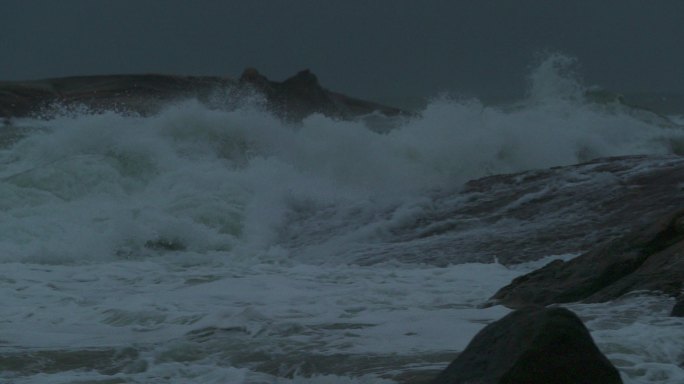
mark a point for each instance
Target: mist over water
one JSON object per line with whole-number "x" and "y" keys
{"x": 138, "y": 212}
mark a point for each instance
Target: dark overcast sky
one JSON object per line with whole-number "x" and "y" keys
{"x": 366, "y": 48}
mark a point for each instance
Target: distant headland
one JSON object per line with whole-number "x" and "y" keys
{"x": 292, "y": 99}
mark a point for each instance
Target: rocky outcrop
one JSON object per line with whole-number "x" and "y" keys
{"x": 293, "y": 99}
{"x": 520, "y": 217}
{"x": 302, "y": 95}
{"x": 532, "y": 345}
{"x": 649, "y": 258}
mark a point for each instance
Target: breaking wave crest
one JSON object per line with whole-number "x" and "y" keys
{"x": 192, "y": 177}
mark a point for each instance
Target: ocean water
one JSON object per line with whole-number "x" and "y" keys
{"x": 204, "y": 245}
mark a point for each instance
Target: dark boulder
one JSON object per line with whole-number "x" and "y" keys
{"x": 647, "y": 259}
{"x": 532, "y": 345}
{"x": 678, "y": 309}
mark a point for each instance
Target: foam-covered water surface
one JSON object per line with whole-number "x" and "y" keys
{"x": 278, "y": 319}
{"x": 210, "y": 246}
{"x": 638, "y": 336}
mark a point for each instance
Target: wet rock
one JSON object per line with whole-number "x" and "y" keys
{"x": 678, "y": 309}
{"x": 520, "y": 217}
{"x": 647, "y": 259}
{"x": 163, "y": 244}
{"x": 532, "y": 345}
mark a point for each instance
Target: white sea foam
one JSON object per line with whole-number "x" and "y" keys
{"x": 92, "y": 186}
{"x": 162, "y": 234}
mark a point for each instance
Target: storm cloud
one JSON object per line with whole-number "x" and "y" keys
{"x": 373, "y": 49}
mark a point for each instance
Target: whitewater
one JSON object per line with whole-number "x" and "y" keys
{"x": 209, "y": 245}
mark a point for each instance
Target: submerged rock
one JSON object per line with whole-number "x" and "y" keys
{"x": 532, "y": 345}
{"x": 106, "y": 361}
{"x": 678, "y": 309}
{"x": 163, "y": 244}
{"x": 650, "y": 258}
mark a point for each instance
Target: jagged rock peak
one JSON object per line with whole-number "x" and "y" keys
{"x": 252, "y": 75}
{"x": 304, "y": 77}
{"x": 293, "y": 99}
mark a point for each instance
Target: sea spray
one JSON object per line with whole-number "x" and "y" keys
{"x": 170, "y": 245}
{"x": 231, "y": 175}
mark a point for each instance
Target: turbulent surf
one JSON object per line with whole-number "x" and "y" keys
{"x": 211, "y": 245}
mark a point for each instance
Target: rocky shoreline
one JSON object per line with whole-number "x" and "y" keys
{"x": 645, "y": 256}
{"x": 632, "y": 240}
{"x": 646, "y": 259}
